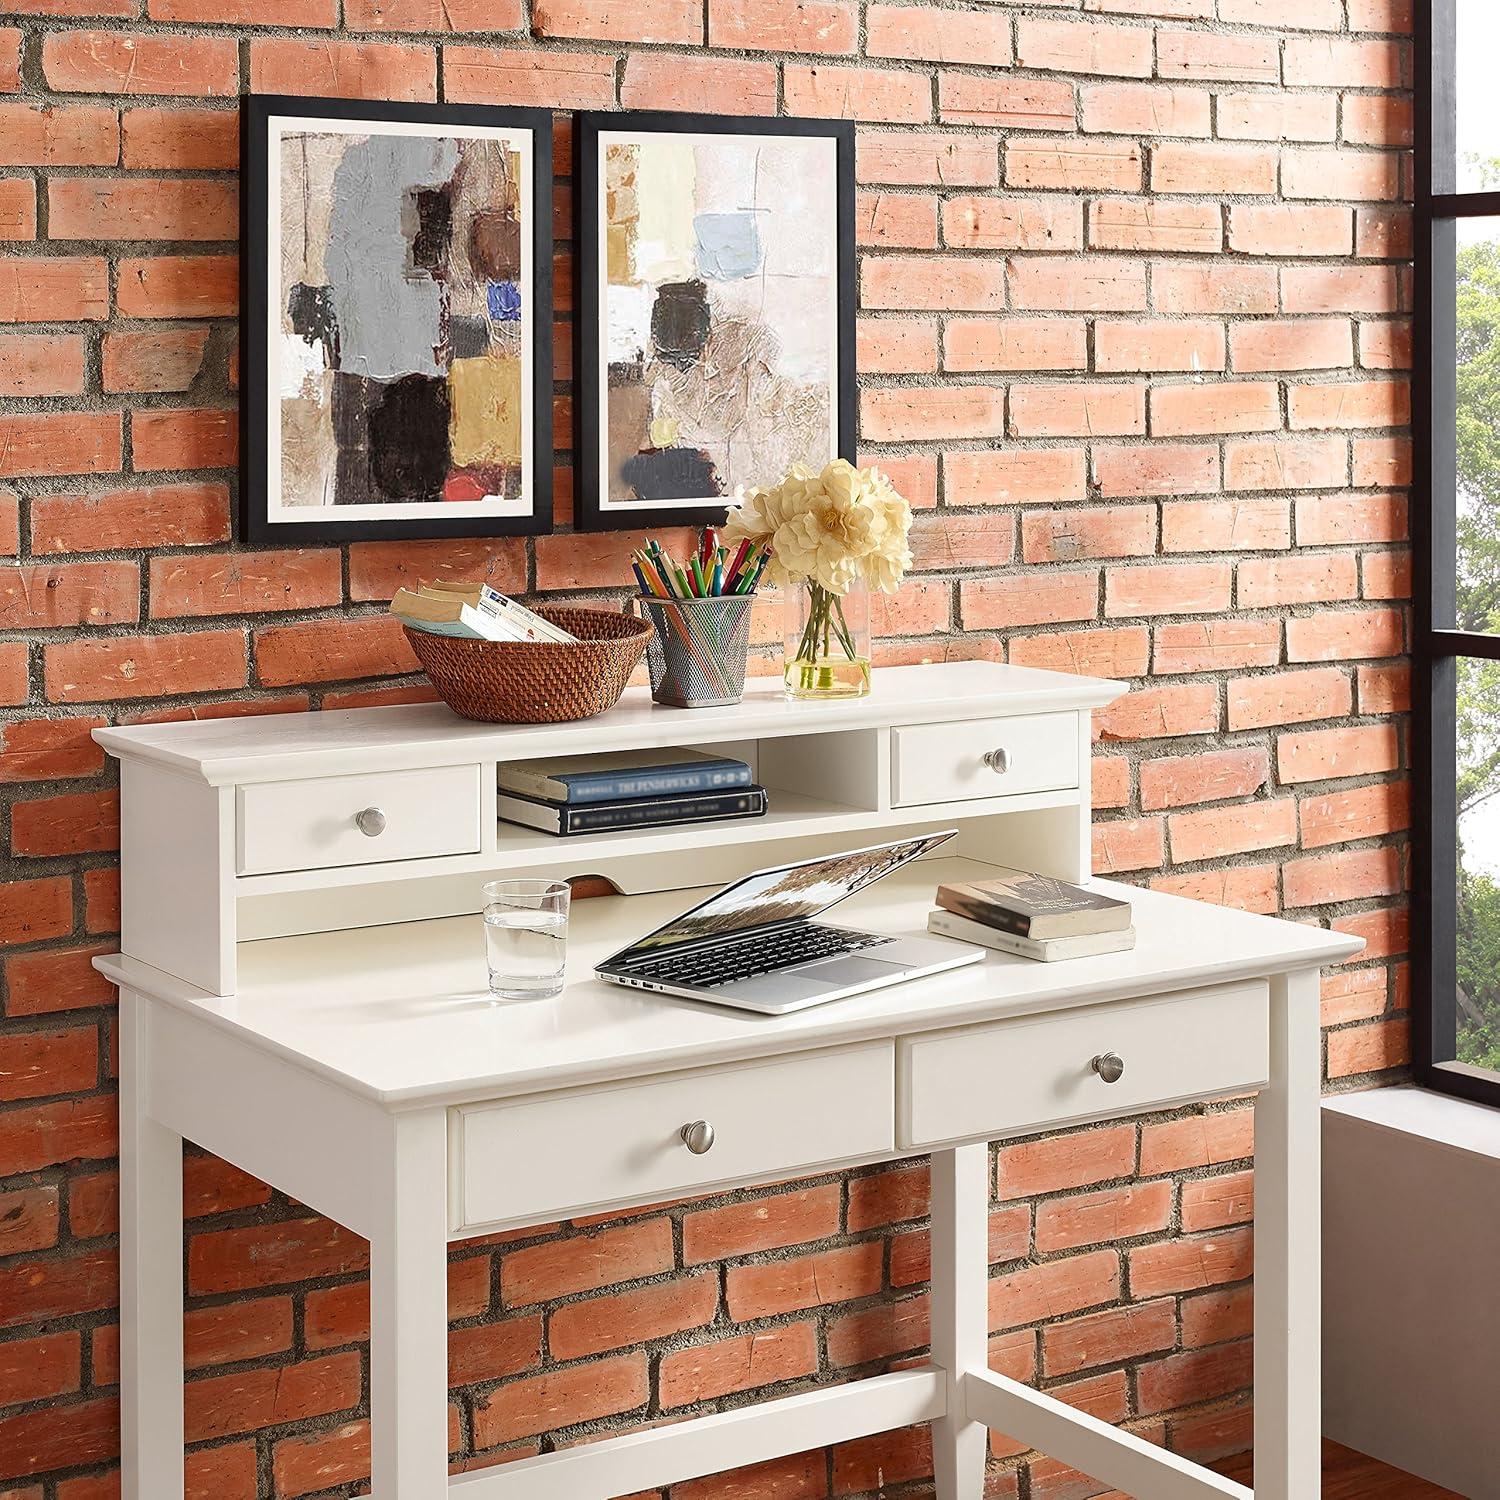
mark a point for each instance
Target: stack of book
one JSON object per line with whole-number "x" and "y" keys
{"x": 473, "y": 611}
{"x": 627, "y": 789}
{"x": 1034, "y": 916}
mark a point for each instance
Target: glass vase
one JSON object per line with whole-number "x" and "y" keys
{"x": 827, "y": 642}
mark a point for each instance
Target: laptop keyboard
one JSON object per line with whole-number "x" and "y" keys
{"x": 765, "y": 953}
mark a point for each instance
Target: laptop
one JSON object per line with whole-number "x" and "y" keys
{"x": 755, "y": 945}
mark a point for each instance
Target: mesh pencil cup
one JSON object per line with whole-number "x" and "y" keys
{"x": 697, "y": 655}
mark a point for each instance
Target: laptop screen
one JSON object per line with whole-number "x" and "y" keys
{"x": 788, "y": 893}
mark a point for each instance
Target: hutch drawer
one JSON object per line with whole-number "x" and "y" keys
{"x": 322, "y": 821}
{"x": 978, "y": 758}
{"x": 532, "y": 1158}
{"x": 1029, "y": 1074}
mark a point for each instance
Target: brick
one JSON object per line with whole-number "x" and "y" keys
{"x": 656, "y": 81}
{"x": 1339, "y": 62}
{"x": 537, "y": 1273}
{"x": 943, "y": 36}
{"x": 1292, "y": 344}
{"x": 1029, "y": 599}
{"x": 1385, "y": 346}
{"x": 560, "y": 1398}
{"x": 166, "y": 361}
{"x": 1385, "y": 932}
{"x": 331, "y": 650}
{"x": 1321, "y": 754}
{"x": 246, "y": 12}
{"x": 877, "y": 1332}
{"x": 821, "y": 26}
{"x": 144, "y": 666}
{"x": 41, "y": 443}
{"x": 39, "y": 1369}
{"x": 59, "y": 1437}
{"x": 1096, "y": 284}
{"x": 1264, "y": 583}
{"x": 894, "y": 220}
{"x": 1287, "y": 229}
{"x": 29, "y": 1219}
{"x": 302, "y": 1465}
{"x": 1213, "y": 168}
{"x": 1162, "y": 713}
{"x": 588, "y": 20}
{"x": 39, "y": 1064}
{"x": 1220, "y": 57}
{"x": 1384, "y": 690}
{"x": 36, "y": 364}
{"x": 58, "y": 135}
{"x": 818, "y": 1279}
{"x": 802, "y": 1477}
{"x": 741, "y": 1363}
{"x": 168, "y": 515}
{"x": 434, "y": 15}
{"x": 160, "y": 208}
{"x": 856, "y": 93}
{"x": 760, "y": 1224}
{"x": 1378, "y": 120}
{"x": 1357, "y": 995}
{"x": 1380, "y": 15}
{"x": 933, "y": 413}
{"x": 887, "y": 1458}
{"x": 1015, "y": 476}
{"x": 1360, "y": 175}
{"x": 1083, "y": 47}
{"x": 259, "y": 1256}
{"x": 1286, "y": 463}
{"x": 1127, "y": 844}
{"x": 1108, "y": 1337}
{"x": 1053, "y": 1289}
{"x": 123, "y": 62}
{"x": 988, "y": 223}
{"x": 80, "y": 823}
{"x": 1122, "y": 652}
{"x": 1158, "y": 344}
{"x": 1009, "y": 1239}
{"x": 1198, "y": 1140}
{"x": 1305, "y": 15}
{"x": 378, "y": 569}
{"x": 979, "y": 344}
{"x": 1167, "y": 589}
{"x": 1217, "y": 1316}
{"x": 1008, "y": 103}
{"x": 1195, "y": 1375}
{"x": 1373, "y": 1048}
{"x": 17, "y": 208}
{"x": 1148, "y": 224}
{"x": 1243, "y": 887}
{"x": 223, "y": 583}
{"x": 1072, "y": 163}
{"x": 184, "y": 439}
{"x": 179, "y": 286}
{"x": 928, "y": 159}
{"x": 493, "y": 1350}
{"x": 1349, "y": 875}
{"x": 1215, "y": 289}
{"x": 1215, "y": 833}
{"x": 343, "y": 69}
{"x": 1238, "y": 525}
{"x": 1215, "y": 776}
{"x": 559, "y": 80}
{"x": 1103, "y": 1218}
{"x": 162, "y": 138}
{"x": 10, "y": 60}
{"x": 1155, "y": 469}
{"x": 1095, "y": 531}
{"x": 1382, "y": 461}
{"x": 1078, "y": 409}
{"x": 1225, "y": 406}
{"x": 1288, "y": 698}
{"x": 53, "y": 289}
{"x": 1145, "y": 109}
{"x": 960, "y": 541}
{"x": 1352, "y": 289}
{"x": 1351, "y": 403}
{"x": 1109, "y": 779}
{"x": 222, "y": 1405}
{"x": 1269, "y": 116}
{"x": 1055, "y": 1163}
{"x": 648, "y": 1313}
{"x": 44, "y": 749}
{"x": 1342, "y": 635}
{"x": 912, "y": 283}
{"x": 33, "y": 1136}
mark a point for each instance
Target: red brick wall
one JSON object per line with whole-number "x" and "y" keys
{"x": 1134, "y": 284}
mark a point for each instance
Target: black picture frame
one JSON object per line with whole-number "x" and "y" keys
{"x": 589, "y": 326}
{"x": 257, "y": 111}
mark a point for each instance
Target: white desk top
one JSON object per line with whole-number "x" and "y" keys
{"x": 273, "y": 746}
{"x": 402, "y": 1014}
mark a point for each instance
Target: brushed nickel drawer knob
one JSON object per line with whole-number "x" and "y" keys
{"x": 698, "y": 1137}
{"x": 370, "y": 822}
{"x": 998, "y": 761}
{"x": 1109, "y": 1066}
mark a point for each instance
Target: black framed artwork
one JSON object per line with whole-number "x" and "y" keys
{"x": 716, "y": 303}
{"x": 396, "y": 320}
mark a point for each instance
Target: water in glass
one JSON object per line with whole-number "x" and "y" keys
{"x": 526, "y": 938}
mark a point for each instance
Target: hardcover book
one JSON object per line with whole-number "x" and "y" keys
{"x": 649, "y": 812}
{"x": 620, "y": 775}
{"x": 1034, "y": 906}
{"x": 946, "y": 924}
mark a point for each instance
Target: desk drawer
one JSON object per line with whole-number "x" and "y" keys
{"x": 946, "y": 762}
{"x": 1020, "y": 1076}
{"x": 526, "y": 1160}
{"x": 316, "y": 823}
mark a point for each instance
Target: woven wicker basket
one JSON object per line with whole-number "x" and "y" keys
{"x": 505, "y": 682}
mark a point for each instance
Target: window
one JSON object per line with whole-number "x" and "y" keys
{"x": 1456, "y": 645}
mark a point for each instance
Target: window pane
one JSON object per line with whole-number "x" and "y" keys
{"x": 1478, "y": 117}
{"x": 1478, "y": 797}
{"x": 1478, "y": 424}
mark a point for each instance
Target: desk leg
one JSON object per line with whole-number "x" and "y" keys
{"x": 1288, "y": 1270}
{"x": 409, "y": 1316}
{"x": 151, "y": 1439}
{"x": 960, "y": 1311}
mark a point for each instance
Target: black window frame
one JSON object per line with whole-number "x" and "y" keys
{"x": 1436, "y": 646}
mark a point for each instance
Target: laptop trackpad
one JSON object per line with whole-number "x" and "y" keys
{"x": 839, "y": 972}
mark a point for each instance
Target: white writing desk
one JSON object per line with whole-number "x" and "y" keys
{"x": 310, "y": 1004}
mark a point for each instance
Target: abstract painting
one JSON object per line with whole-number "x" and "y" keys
{"x": 399, "y": 360}
{"x": 715, "y": 336}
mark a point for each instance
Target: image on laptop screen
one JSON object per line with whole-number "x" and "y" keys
{"x": 789, "y": 893}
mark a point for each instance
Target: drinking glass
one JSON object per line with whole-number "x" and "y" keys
{"x": 526, "y": 937}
